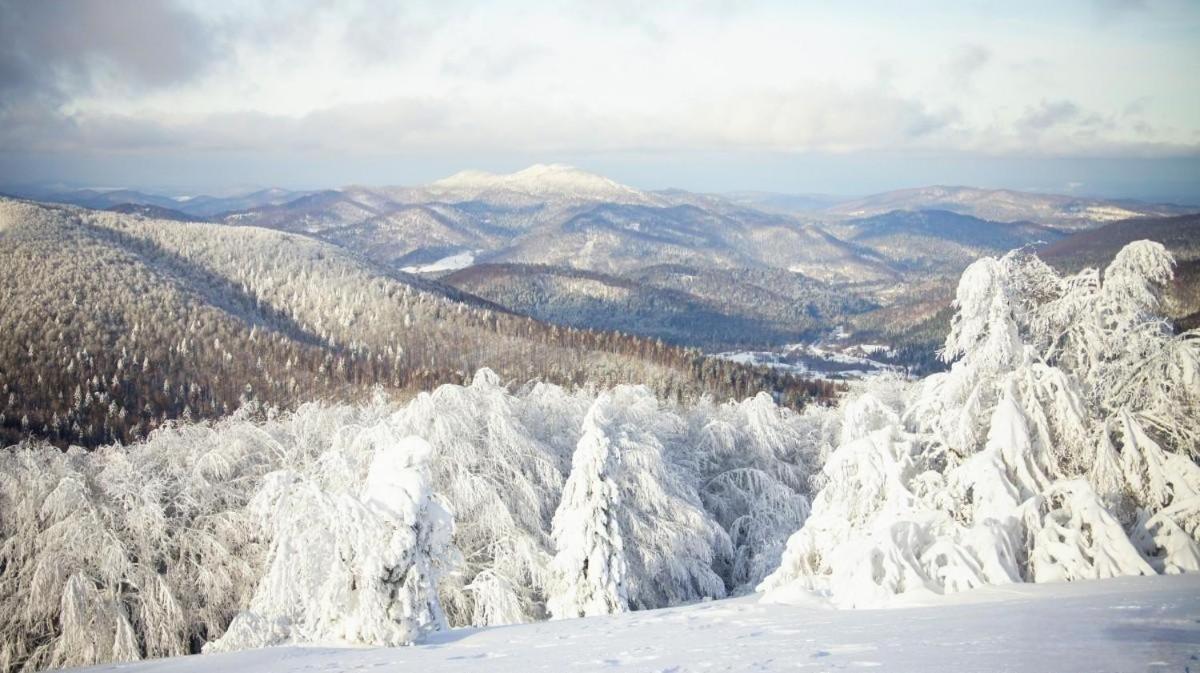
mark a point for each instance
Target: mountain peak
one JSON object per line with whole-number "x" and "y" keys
{"x": 543, "y": 180}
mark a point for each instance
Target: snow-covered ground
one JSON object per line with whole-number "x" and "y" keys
{"x": 825, "y": 360}
{"x": 1119, "y": 625}
{"x": 452, "y": 263}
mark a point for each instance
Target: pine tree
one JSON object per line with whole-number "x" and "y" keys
{"x": 589, "y": 567}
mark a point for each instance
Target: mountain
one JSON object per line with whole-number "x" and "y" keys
{"x": 117, "y": 323}
{"x": 712, "y": 309}
{"x": 373, "y": 223}
{"x": 1181, "y": 235}
{"x": 580, "y": 249}
{"x": 154, "y": 212}
{"x": 537, "y": 183}
{"x": 209, "y": 206}
{"x": 100, "y": 199}
{"x": 775, "y": 202}
{"x": 615, "y": 237}
{"x": 939, "y": 240}
{"x": 1006, "y": 205}
{"x": 735, "y": 264}
{"x": 579, "y": 225}
{"x": 202, "y": 206}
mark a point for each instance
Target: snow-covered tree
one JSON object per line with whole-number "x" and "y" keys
{"x": 1060, "y": 445}
{"x": 504, "y": 482}
{"x": 329, "y": 523}
{"x": 755, "y": 461}
{"x": 631, "y": 531}
{"x": 350, "y": 567}
{"x": 673, "y": 546}
{"x": 590, "y": 570}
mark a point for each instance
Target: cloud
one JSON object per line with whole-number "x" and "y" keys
{"x": 61, "y": 48}
{"x": 1047, "y": 115}
{"x": 358, "y": 78}
{"x": 807, "y": 118}
{"x": 965, "y": 63}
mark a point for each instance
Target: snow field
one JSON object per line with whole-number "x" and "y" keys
{"x": 1122, "y": 625}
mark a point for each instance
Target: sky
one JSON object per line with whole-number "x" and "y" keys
{"x": 1096, "y": 97}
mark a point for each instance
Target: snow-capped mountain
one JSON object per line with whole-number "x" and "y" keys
{"x": 540, "y": 181}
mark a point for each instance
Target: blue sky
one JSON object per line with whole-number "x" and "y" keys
{"x": 1092, "y": 97}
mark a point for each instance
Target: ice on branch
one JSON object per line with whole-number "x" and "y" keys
{"x": 1060, "y": 445}
{"x": 345, "y": 566}
{"x": 380, "y": 522}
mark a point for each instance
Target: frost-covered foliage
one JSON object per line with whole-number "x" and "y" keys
{"x": 500, "y": 462}
{"x": 128, "y": 552}
{"x": 352, "y": 559}
{"x": 380, "y": 522}
{"x": 589, "y": 569}
{"x": 631, "y": 531}
{"x": 1060, "y": 445}
{"x": 755, "y": 463}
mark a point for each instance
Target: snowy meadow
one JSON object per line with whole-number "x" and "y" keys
{"x": 1061, "y": 445}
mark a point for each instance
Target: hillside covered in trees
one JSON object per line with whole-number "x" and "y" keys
{"x": 115, "y": 323}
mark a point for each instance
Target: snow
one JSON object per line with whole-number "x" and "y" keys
{"x": 1124, "y": 624}
{"x": 337, "y": 524}
{"x": 542, "y": 180}
{"x": 454, "y": 262}
{"x": 1007, "y": 504}
{"x": 821, "y": 360}
{"x": 1009, "y": 467}
{"x": 347, "y": 567}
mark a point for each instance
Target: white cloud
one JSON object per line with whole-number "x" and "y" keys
{"x": 596, "y": 77}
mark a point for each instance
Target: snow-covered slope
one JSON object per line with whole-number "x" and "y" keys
{"x": 555, "y": 181}
{"x": 1119, "y": 625}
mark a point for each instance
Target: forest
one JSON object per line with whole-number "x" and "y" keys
{"x": 115, "y": 324}
{"x": 1060, "y": 444}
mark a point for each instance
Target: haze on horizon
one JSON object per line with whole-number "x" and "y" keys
{"x": 1092, "y": 97}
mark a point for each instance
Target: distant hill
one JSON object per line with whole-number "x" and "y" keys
{"x": 652, "y": 305}
{"x": 202, "y": 207}
{"x": 154, "y": 212}
{"x": 101, "y": 199}
{"x": 1181, "y": 235}
{"x": 940, "y": 240}
{"x": 1006, "y": 205}
{"x": 784, "y": 203}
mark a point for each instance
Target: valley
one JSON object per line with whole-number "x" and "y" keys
{"x": 745, "y": 271}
